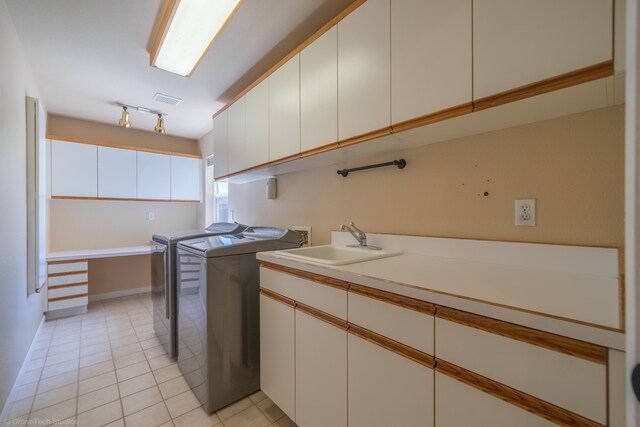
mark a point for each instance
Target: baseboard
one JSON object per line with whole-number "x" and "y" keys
{"x": 6, "y": 408}
{"x": 118, "y": 294}
{"x": 65, "y": 312}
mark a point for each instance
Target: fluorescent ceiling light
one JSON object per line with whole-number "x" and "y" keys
{"x": 187, "y": 30}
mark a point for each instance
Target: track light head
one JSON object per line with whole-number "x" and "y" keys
{"x": 124, "y": 120}
{"x": 159, "y": 124}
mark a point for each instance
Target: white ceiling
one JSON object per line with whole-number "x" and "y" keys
{"x": 89, "y": 54}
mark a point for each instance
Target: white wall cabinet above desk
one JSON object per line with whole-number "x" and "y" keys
{"x": 518, "y": 42}
{"x": 364, "y": 74}
{"x": 186, "y": 176}
{"x": 256, "y": 149}
{"x": 92, "y": 171}
{"x": 74, "y": 169}
{"x": 117, "y": 173}
{"x": 154, "y": 176}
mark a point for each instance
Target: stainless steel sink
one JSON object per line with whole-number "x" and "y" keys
{"x": 336, "y": 255}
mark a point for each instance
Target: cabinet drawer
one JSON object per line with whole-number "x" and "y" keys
{"x": 399, "y": 318}
{"x": 567, "y": 373}
{"x": 67, "y": 279}
{"x": 458, "y": 404}
{"x": 67, "y": 267}
{"x": 66, "y": 291}
{"x": 322, "y": 293}
{"x": 68, "y": 303}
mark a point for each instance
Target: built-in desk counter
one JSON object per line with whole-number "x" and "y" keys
{"x": 68, "y": 277}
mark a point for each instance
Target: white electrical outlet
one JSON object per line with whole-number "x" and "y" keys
{"x": 152, "y": 216}
{"x": 526, "y": 212}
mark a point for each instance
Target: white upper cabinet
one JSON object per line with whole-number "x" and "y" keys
{"x": 284, "y": 110}
{"x": 154, "y": 176}
{"x": 518, "y": 42}
{"x": 256, "y": 150}
{"x": 185, "y": 178}
{"x": 74, "y": 169}
{"x": 364, "y": 88}
{"x": 431, "y": 57}
{"x": 220, "y": 145}
{"x": 237, "y": 134}
{"x": 116, "y": 173}
{"x": 319, "y": 92}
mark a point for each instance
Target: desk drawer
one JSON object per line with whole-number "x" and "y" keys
{"x": 67, "y": 279}
{"x": 67, "y": 266}
{"x": 65, "y": 291}
{"x": 568, "y": 373}
{"x": 68, "y": 303}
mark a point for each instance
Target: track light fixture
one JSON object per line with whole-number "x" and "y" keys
{"x": 125, "y": 120}
{"x": 159, "y": 124}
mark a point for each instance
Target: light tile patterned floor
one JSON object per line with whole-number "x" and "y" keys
{"x": 107, "y": 368}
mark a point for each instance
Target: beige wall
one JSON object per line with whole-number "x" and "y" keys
{"x": 93, "y": 224}
{"x": 20, "y": 314}
{"x": 94, "y": 131}
{"x": 573, "y": 166}
{"x": 120, "y": 273}
{"x": 90, "y": 224}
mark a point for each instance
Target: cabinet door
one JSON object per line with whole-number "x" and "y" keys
{"x": 461, "y": 405}
{"x": 364, "y": 87}
{"x": 321, "y": 373}
{"x": 517, "y": 42}
{"x": 220, "y": 145}
{"x": 237, "y": 134}
{"x": 386, "y": 389}
{"x": 284, "y": 110}
{"x": 430, "y": 56}
{"x": 256, "y": 149}
{"x": 185, "y": 178}
{"x": 154, "y": 176}
{"x": 116, "y": 173}
{"x": 277, "y": 353}
{"x": 319, "y": 92}
{"x": 74, "y": 169}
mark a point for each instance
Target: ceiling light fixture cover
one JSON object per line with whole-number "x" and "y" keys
{"x": 187, "y": 30}
{"x": 159, "y": 124}
{"x": 124, "y": 120}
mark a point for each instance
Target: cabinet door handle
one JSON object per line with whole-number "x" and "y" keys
{"x": 635, "y": 381}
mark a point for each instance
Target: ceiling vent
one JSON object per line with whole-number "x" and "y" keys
{"x": 166, "y": 99}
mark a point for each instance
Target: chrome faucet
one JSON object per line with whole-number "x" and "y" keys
{"x": 359, "y": 235}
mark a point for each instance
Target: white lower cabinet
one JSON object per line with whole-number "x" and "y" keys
{"x": 387, "y": 389}
{"x": 277, "y": 353}
{"x": 461, "y": 405}
{"x": 321, "y": 373}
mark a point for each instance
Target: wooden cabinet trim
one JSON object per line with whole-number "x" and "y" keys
{"x": 334, "y": 283}
{"x": 67, "y": 297}
{"x": 517, "y": 398}
{"x": 277, "y": 297}
{"x": 122, "y": 146}
{"x": 581, "y": 349}
{"x": 68, "y": 273}
{"x": 572, "y": 78}
{"x": 394, "y": 346}
{"x": 119, "y": 199}
{"x": 67, "y": 261}
{"x": 365, "y": 137}
{"x": 321, "y": 315}
{"x": 68, "y": 285}
{"x": 438, "y": 116}
{"x": 391, "y": 298}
